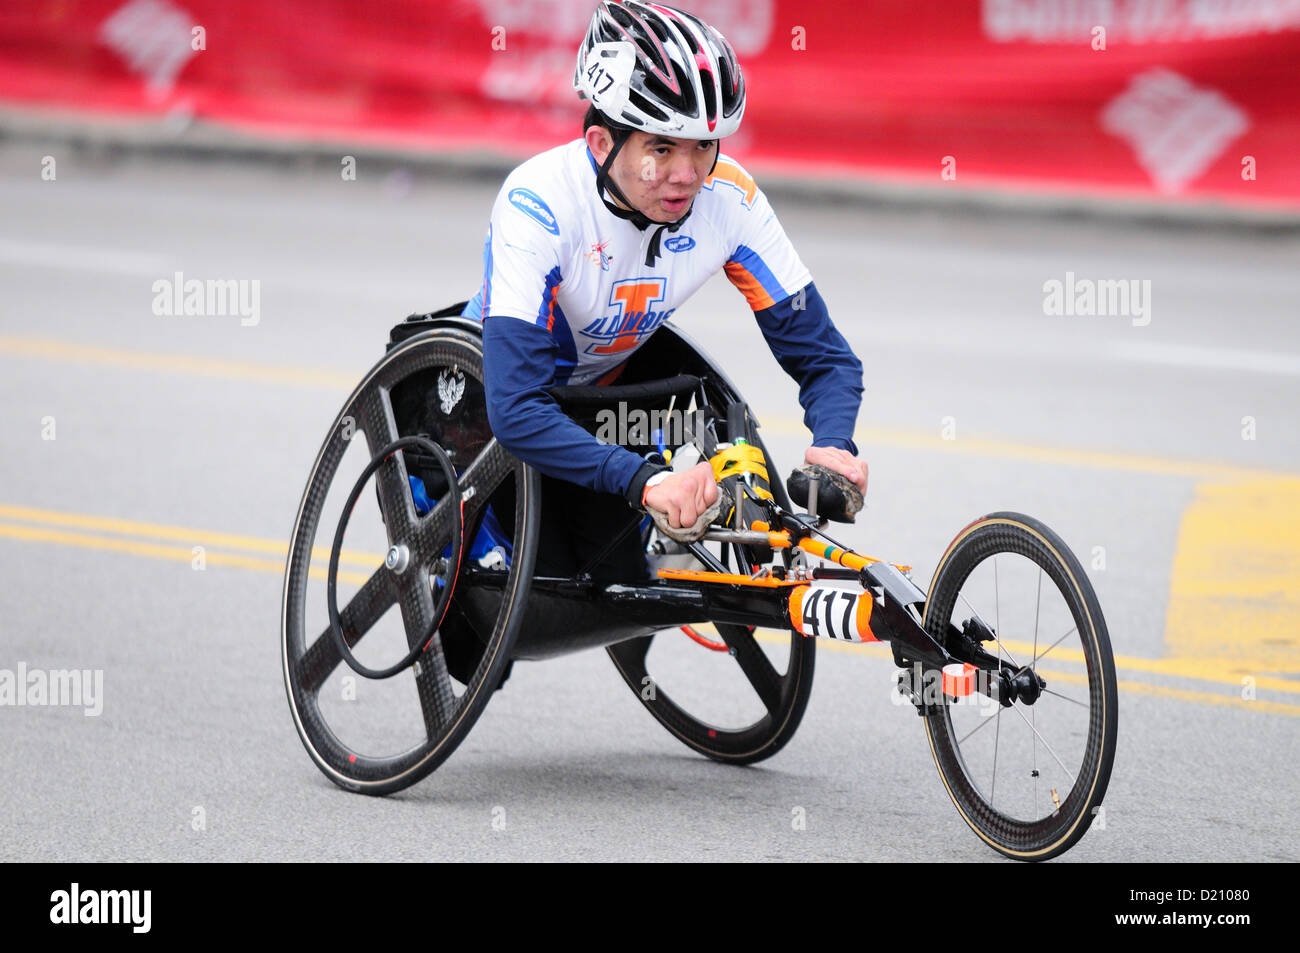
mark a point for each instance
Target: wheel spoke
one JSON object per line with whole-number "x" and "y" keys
{"x": 983, "y": 722}
{"x": 997, "y": 601}
{"x": 632, "y": 653}
{"x": 1037, "y": 658}
{"x": 1033, "y": 712}
{"x": 437, "y": 699}
{"x": 1039, "y": 737}
{"x": 997, "y": 634}
{"x": 395, "y": 501}
{"x": 1048, "y": 691}
{"x": 484, "y": 475}
{"x": 997, "y": 736}
{"x": 432, "y": 532}
{"x": 1038, "y": 601}
{"x": 755, "y": 664}
{"x": 356, "y": 619}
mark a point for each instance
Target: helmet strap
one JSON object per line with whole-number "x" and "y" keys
{"x": 605, "y": 183}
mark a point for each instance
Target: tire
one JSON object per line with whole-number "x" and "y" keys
{"x": 1076, "y": 738}
{"x": 784, "y": 696}
{"x": 729, "y": 735}
{"x": 401, "y": 388}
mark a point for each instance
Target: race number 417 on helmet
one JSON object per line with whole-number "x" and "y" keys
{"x": 661, "y": 71}
{"x": 654, "y": 69}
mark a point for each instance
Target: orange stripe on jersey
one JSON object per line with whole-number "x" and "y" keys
{"x": 612, "y": 375}
{"x": 734, "y": 174}
{"x": 550, "y": 309}
{"x": 749, "y": 286}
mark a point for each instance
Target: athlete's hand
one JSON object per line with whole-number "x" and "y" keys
{"x": 683, "y": 496}
{"x": 841, "y": 461}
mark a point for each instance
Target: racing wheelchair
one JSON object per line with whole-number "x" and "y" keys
{"x": 460, "y": 518}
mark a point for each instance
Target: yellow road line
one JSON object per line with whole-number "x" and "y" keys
{"x": 181, "y": 554}
{"x": 1227, "y": 671}
{"x": 1203, "y": 670}
{"x": 1234, "y": 598}
{"x": 190, "y": 535}
{"x": 186, "y": 365}
{"x": 55, "y": 350}
{"x": 1202, "y": 667}
{"x": 1183, "y": 694}
{"x": 1055, "y": 456}
{"x": 1234, "y": 587}
{"x": 159, "y": 551}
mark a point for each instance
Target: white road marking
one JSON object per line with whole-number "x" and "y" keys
{"x": 83, "y": 258}
{"x": 1208, "y": 358}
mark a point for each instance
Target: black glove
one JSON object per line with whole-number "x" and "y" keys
{"x": 838, "y": 497}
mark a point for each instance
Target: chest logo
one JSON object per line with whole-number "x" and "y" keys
{"x": 680, "y": 243}
{"x": 598, "y": 255}
{"x": 632, "y": 317}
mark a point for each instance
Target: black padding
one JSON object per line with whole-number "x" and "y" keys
{"x": 579, "y": 395}
{"x": 416, "y": 323}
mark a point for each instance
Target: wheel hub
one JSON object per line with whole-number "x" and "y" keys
{"x": 398, "y": 558}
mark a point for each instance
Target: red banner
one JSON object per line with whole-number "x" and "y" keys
{"x": 1174, "y": 98}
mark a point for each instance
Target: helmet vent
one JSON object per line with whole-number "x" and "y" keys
{"x": 710, "y": 103}
{"x": 640, "y": 102}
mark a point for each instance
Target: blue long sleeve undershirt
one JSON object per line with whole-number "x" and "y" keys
{"x": 518, "y": 368}
{"x": 813, "y": 352}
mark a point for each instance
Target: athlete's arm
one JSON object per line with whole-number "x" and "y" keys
{"x": 792, "y": 316}
{"x": 812, "y": 351}
{"x": 518, "y": 368}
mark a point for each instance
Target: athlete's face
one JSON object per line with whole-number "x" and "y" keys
{"x": 660, "y": 176}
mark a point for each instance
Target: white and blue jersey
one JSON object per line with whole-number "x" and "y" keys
{"x": 568, "y": 296}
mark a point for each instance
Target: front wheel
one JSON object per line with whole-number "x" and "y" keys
{"x": 1028, "y": 777}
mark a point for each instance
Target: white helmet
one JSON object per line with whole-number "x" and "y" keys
{"x": 661, "y": 71}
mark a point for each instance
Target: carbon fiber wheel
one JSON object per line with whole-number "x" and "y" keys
{"x": 1028, "y": 778}
{"x": 724, "y": 735}
{"x": 736, "y": 696}
{"x": 379, "y": 737}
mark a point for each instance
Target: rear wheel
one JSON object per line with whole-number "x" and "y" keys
{"x": 775, "y": 700}
{"x": 1028, "y": 778}
{"x": 431, "y": 383}
{"x": 728, "y": 691}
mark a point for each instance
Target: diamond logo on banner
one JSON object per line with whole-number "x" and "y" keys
{"x": 1176, "y": 128}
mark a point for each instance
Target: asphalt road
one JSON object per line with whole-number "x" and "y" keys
{"x": 1163, "y": 447}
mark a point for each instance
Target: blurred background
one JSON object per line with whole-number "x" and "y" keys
{"x": 1191, "y": 100}
{"x": 1063, "y": 236}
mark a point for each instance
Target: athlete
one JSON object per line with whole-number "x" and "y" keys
{"x": 593, "y": 245}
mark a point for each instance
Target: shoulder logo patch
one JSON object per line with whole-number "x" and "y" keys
{"x": 680, "y": 243}
{"x": 531, "y": 204}
{"x": 733, "y": 177}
